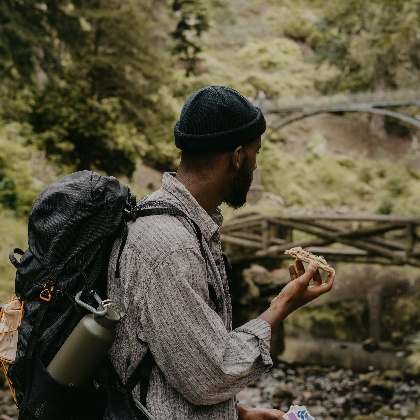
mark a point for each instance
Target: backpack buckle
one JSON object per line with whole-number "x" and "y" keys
{"x": 46, "y": 293}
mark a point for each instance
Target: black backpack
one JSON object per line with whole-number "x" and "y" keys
{"x": 73, "y": 225}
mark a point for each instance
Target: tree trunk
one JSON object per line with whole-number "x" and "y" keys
{"x": 377, "y": 126}
{"x": 377, "y": 121}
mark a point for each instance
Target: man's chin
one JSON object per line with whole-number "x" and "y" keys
{"x": 235, "y": 204}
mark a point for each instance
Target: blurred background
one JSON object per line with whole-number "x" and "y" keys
{"x": 98, "y": 85}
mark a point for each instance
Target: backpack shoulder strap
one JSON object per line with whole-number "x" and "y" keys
{"x": 141, "y": 375}
{"x": 156, "y": 208}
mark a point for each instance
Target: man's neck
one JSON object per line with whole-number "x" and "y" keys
{"x": 202, "y": 188}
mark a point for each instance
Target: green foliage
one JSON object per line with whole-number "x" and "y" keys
{"x": 23, "y": 170}
{"x": 344, "y": 321}
{"x": 125, "y": 58}
{"x": 319, "y": 179}
{"x": 262, "y": 61}
{"x": 192, "y": 22}
{"x": 275, "y": 53}
{"x": 370, "y": 42}
{"x": 14, "y": 234}
{"x": 96, "y": 71}
{"x": 29, "y": 32}
{"x": 406, "y": 307}
{"x": 75, "y": 129}
{"x": 298, "y": 29}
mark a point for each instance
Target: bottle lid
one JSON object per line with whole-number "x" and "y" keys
{"x": 109, "y": 320}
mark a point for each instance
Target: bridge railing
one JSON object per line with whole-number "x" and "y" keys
{"x": 367, "y": 239}
{"x": 403, "y": 95}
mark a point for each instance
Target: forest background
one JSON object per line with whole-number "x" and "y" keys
{"x": 98, "y": 84}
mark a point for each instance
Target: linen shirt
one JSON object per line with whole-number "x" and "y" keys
{"x": 201, "y": 363}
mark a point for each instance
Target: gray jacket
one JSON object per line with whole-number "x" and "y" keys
{"x": 164, "y": 290}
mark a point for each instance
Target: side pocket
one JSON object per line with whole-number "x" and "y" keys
{"x": 51, "y": 400}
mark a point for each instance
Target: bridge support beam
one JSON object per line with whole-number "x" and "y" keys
{"x": 374, "y": 298}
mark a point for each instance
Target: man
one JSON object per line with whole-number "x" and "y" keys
{"x": 175, "y": 291}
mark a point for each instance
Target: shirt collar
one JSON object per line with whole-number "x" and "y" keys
{"x": 209, "y": 224}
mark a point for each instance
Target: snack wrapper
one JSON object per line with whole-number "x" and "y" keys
{"x": 298, "y": 412}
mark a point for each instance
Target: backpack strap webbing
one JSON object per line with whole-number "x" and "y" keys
{"x": 141, "y": 375}
{"x": 33, "y": 339}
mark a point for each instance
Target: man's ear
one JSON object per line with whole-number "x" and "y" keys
{"x": 238, "y": 156}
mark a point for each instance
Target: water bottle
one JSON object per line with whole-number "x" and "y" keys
{"x": 84, "y": 349}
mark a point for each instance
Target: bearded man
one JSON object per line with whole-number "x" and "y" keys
{"x": 173, "y": 284}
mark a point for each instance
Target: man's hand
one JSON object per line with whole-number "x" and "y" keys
{"x": 297, "y": 292}
{"x": 248, "y": 413}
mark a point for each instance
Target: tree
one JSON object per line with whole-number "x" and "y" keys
{"x": 192, "y": 21}
{"x": 75, "y": 129}
{"x": 125, "y": 55}
{"x": 372, "y": 43}
{"x": 30, "y": 31}
{"x": 98, "y": 71}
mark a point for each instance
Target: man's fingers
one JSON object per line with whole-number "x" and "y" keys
{"x": 330, "y": 280}
{"x": 292, "y": 272}
{"x": 327, "y": 286}
{"x": 272, "y": 414}
{"x": 277, "y": 415}
{"x": 307, "y": 276}
{"x": 300, "y": 267}
{"x": 317, "y": 278}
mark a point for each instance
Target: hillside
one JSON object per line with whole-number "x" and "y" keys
{"x": 336, "y": 158}
{"x": 350, "y": 135}
{"x": 344, "y": 135}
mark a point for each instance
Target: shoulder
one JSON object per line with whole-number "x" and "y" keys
{"x": 157, "y": 236}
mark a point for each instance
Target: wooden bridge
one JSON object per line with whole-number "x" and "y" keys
{"x": 346, "y": 238}
{"x": 289, "y": 110}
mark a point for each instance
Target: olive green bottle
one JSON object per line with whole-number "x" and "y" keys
{"x": 84, "y": 349}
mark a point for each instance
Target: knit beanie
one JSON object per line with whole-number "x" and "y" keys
{"x": 217, "y": 118}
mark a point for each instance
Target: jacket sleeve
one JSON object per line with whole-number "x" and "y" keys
{"x": 190, "y": 343}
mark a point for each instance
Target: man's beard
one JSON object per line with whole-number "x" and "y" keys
{"x": 239, "y": 187}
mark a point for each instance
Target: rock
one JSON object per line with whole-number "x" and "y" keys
{"x": 367, "y": 377}
{"x": 281, "y": 392}
{"x": 252, "y": 292}
{"x": 412, "y": 373}
{"x": 363, "y": 398}
{"x": 340, "y": 394}
{"x": 260, "y": 276}
{"x": 393, "y": 375}
{"x": 382, "y": 387}
{"x": 370, "y": 344}
{"x": 315, "y": 370}
{"x": 397, "y": 338}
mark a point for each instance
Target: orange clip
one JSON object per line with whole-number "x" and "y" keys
{"x": 46, "y": 294}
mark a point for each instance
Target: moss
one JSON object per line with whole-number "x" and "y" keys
{"x": 344, "y": 321}
{"x": 407, "y": 322}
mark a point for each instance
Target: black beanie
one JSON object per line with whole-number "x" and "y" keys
{"x": 216, "y": 119}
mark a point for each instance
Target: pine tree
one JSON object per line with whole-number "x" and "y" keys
{"x": 192, "y": 22}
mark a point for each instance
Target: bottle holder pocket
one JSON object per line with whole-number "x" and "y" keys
{"x": 49, "y": 399}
